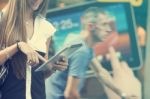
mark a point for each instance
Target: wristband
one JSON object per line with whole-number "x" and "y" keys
{"x": 18, "y": 45}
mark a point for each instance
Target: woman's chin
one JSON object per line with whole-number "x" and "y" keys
{"x": 35, "y": 8}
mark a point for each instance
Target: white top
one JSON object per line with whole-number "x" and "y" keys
{"x": 42, "y": 31}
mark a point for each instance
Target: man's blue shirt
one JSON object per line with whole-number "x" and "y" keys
{"x": 78, "y": 64}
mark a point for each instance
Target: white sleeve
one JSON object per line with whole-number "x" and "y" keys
{"x": 49, "y": 29}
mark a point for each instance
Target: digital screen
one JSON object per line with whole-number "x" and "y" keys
{"x": 116, "y": 29}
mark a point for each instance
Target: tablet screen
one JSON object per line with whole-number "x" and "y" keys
{"x": 118, "y": 23}
{"x": 66, "y": 51}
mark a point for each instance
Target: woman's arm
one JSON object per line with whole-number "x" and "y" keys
{"x": 8, "y": 52}
{"x": 32, "y": 56}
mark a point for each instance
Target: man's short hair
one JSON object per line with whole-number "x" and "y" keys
{"x": 94, "y": 10}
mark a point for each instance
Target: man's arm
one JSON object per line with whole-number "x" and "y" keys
{"x": 71, "y": 91}
{"x": 77, "y": 69}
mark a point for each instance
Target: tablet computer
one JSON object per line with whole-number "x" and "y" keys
{"x": 66, "y": 51}
{"x": 122, "y": 24}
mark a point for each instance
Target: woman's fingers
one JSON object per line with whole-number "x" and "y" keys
{"x": 59, "y": 67}
{"x": 115, "y": 63}
{"x": 100, "y": 70}
{"x": 62, "y": 63}
{"x": 64, "y": 59}
{"x": 41, "y": 58}
{"x": 35, "y": 58}
{"x": 32, "y": 59}
{"x": 127, "y": 69}
{"x": 29, "y": 59}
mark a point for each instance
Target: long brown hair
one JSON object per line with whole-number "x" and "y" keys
{"x": 12, "y": 28}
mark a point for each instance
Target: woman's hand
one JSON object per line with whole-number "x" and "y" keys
{"x": 32, "y": 56}
{"x": 123, "y": 78}
{"x": 61, "y": 64}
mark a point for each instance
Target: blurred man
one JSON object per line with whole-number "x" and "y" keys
{"x": 66, "y": 85}
{"x": 96, "y": 27}
{"x": 106, "y": 33}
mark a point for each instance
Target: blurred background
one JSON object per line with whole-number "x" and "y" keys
{"x": 92, "y": 89}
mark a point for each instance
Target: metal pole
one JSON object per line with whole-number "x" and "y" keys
{"x": 147, "y": 62}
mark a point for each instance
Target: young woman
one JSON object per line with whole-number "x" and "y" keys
{"x": 23, "y": 36}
